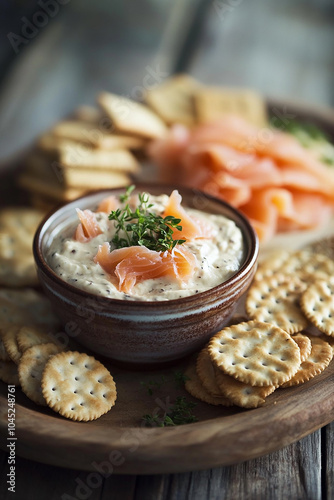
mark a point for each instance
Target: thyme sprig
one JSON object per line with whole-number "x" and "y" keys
{"x": 179, "y": 413}
{"x": 143, "y": 227}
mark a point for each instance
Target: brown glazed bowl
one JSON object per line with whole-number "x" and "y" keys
{"x": 137, "y": 333}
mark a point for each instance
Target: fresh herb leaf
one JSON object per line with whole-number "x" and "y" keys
{"x": 180, "y": 378}
{"x": 124, "y": 197}
{"x": 311, "y": 137}
{"x": 142, "y": 227}
{"x": 153, "y": 384}
{"x": 179, "y": 413}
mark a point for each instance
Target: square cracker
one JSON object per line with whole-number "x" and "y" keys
{"x": 131, "y": 117}
{"x": 211, "y": 103}
{"x": 173, "y": 100}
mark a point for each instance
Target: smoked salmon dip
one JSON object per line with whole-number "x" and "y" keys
{"x": 108, "y": 253}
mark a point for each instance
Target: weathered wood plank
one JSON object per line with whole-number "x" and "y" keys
{"x": 293, "y": 472}
{"x": 35, "y": 481}
{"x": 328, "y": 461}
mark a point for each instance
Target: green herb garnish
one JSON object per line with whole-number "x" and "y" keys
{"x": 311, "y": 137}
{"x": 179, "y": 413}
{"x": 180, "y": 378}
{"x": 142, "y": 227}
{"x": 153, "y": 384}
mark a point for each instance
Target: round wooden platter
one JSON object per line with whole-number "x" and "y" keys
{"x": 119, "y": 441}
{"x": 222, "y": 436}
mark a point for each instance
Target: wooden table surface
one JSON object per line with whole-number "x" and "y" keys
{"x": 283, "y": 49}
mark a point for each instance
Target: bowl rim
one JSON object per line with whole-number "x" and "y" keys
{"x": 249, "y": 262}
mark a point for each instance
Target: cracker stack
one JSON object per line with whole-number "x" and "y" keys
{"x": 97, "y": 147}
{"x": 277, "y": 347}
{"x": 94, "y": 149}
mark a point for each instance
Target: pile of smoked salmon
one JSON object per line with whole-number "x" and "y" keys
{"x": 266, "y": 173}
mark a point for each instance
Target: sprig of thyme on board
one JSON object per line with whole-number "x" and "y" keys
{"x": 179, "y": 413}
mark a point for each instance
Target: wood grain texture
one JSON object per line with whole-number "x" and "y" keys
{"x": 328, "y": 461}
{"x": 293, "y": 473}
{"x": 221, "y": 437}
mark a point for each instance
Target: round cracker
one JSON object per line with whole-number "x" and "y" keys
{"x": 206, "y": 373}
{"x": 31, "y": 369}
{"x": 255, "y": 353}
{"x": 78, "y": 386}
{"x": 8, "y": 334}
{"x": 195, "y": 388}
{"x": 304, "y": 344}
{"x": 317, "y": 303}
{"x": 243, "y": 395}
{"x": 308, "y": 266}
{"x": 275, "y": 300}
{"x": 318, "y": 360}
{"x": 8, "y": 373}
{"x": 271, "y": 264}
{"x": 28, "y": 336}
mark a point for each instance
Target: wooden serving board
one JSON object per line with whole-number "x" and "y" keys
{"x": 222, "y": 436}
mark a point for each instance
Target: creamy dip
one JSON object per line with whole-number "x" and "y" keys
{"x": 218, "y": 258}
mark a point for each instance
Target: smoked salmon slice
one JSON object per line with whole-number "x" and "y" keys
{"x": 108, "y": 204}
{"x": 131, "y": 265}
{"x": 88, "y": 227}
{"x": 191, "y": 227}
{"x": 265, "y": 172}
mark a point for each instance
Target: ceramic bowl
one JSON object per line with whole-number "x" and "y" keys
{"x": 137, "y": 333}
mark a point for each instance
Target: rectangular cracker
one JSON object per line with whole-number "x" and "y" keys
{"x": 52, "y": 144}
{"x": 173, "y": 100}
{"x": 56, "y": 191}
{"x": 130, "y": 117}
{"x": 211, "y": 103}
{"x": 54, "y": 172}
{"x": 119, "y": 159}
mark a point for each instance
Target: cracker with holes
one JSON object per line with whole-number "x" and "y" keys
{"x": 317, "y": 303}
{"x": 308, "y": 266}
{"x": 194, "y": 386}
{"x": 304, "y": 344}
{"x": 240, "y": 394}
{"x": 271, "y": 265}
{"x": 319, "y": 358}
{"x": 275, "y": 300}
{"x": 78, "y": 386}
{"x": 31, "y": 366}
{"x": 256, "y": 353}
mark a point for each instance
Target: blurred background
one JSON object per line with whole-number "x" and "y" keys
{"x": 57, "y": 54}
